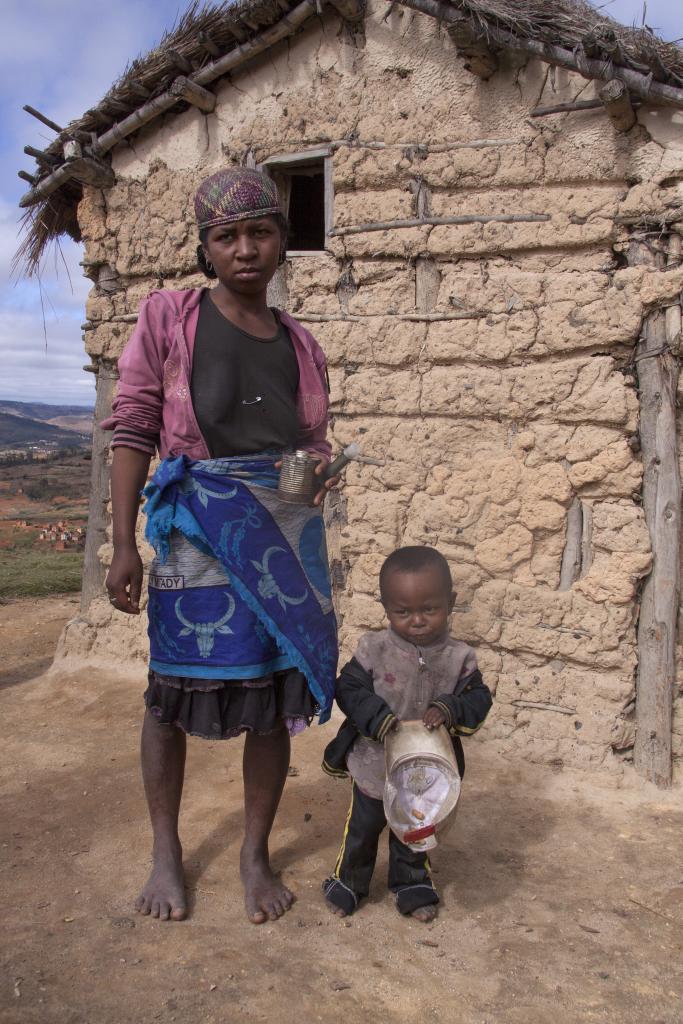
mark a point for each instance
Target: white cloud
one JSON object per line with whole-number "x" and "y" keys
{"x": 73, "y": 53}
{"x": 38, "y": 370}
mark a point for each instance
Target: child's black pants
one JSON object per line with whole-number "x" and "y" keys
{"x": 409, "y": 874}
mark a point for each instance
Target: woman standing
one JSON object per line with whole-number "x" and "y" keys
{"x": 241, "y": 626}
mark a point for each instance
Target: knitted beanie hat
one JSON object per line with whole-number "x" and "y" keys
{"x": 236, "y": 193}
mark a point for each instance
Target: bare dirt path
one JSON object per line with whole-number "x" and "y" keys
{"x": 562, "y": 900}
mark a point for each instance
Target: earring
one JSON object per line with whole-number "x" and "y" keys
{"x": 209, "y": 266}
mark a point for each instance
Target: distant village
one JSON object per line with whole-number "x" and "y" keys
{"x": 43, "y": 451}
{"x": 60, "y": 535}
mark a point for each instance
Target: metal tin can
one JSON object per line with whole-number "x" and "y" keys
{"x": 298, "y": 482}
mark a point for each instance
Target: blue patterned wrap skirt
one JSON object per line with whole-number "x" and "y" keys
{"x": 240, "y": 586}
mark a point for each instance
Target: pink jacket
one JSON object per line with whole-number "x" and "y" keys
{"x": 153, "y": 407}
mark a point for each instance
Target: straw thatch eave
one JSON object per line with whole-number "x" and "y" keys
{"x": 206, "y": 37}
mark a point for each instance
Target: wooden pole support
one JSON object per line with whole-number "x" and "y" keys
{"x": 478, "y": 58}
{"x": 185, "y": 89}
{"x": 25, "y": 176}
{"x": 657, "y": 385}
{"x": 41, "y": 117}
{"x": 615, "y": 96}
{"x": 92, "y": 584}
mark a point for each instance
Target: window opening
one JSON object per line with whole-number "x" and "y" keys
{"x": 304, "y": 184}
{"x": 306, "y": 213}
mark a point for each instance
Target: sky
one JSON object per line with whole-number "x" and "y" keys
{"x": 62, "y": 58}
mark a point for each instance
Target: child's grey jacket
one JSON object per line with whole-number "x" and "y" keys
{"x": 390, "y": 678}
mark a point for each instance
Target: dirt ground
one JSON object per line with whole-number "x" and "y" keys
{"x": 562, "y": 897}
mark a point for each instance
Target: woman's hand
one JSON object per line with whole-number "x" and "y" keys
{"x": 323, "y": 463}
{"x": 433, "y": 718}
{"x": 124, "y": 580}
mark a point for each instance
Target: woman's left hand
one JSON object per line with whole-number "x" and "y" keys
{"x": 323, "y": 463}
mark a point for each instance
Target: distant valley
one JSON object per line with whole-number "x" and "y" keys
{"x": 39, "y": 425}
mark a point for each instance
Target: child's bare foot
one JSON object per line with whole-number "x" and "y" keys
{"x": 425, "y": 914}
{"x": 265, "y": 896}
{"x": 334, "y": 909}
{"x": 163, "y": 895}
{"x": 341, "y": 901}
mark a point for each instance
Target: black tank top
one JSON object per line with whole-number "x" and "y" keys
{"x": 243, "y": 388}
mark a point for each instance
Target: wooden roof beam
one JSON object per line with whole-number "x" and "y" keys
{"x": 238, "y": 32}
{"x": 179, "y": 60}
{"x": 41, "y": 157}
{"x": 160, "y": 104}
{"x": 639, "y": 85}
{"x": 479, "y": 59}
{"x": 617, "y": 101}
{"x": 41, "y": 117}
{"x": 209, "y": 73}
{"x": 185, "y": 89}
{"x": 208, "y": 44}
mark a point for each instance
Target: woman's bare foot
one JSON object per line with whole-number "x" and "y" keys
{"x": 163, "y": 895}
{"x": 425, "y": 914}
{"x": 266, "y": 898}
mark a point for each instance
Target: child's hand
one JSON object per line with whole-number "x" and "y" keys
{"x": 433, "y": 718}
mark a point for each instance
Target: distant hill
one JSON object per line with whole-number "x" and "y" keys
{"x": 19, "y": 431}
{"x": 45, "y": 411}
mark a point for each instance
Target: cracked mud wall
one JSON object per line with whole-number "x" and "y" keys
{"x": 489, "y": 365}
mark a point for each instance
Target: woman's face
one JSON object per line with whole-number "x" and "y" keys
{"x": 245, "y": 255}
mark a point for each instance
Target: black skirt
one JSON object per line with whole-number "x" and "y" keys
{"x": 222, "y": 708}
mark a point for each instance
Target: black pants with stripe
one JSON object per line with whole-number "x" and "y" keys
{"x": 409, "y": 876}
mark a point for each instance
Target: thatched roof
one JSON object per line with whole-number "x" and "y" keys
{"x": 204, "y": 35}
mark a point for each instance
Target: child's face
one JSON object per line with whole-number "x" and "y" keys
{"x": 418, "y": 605}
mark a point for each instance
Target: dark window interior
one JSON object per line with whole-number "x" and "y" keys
{"x": 306, "y": 209}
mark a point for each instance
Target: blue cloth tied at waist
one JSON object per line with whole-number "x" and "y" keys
{"x": 266, "y": 605}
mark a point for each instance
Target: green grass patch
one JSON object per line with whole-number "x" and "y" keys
{"x": 28, "y": 572}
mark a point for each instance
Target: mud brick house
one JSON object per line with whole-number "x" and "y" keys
{"x": 486, "y": 203}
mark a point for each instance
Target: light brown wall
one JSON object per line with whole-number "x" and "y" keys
{"x": 492, "y": 425}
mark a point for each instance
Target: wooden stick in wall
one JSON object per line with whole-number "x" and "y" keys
{"x": 419, "y": 222}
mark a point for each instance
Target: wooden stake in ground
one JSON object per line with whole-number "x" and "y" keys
{"x": 657, "y": 366}
{"x": 94, "y": 571}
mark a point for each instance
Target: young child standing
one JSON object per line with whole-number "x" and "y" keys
{"x": 411, "y": 670}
